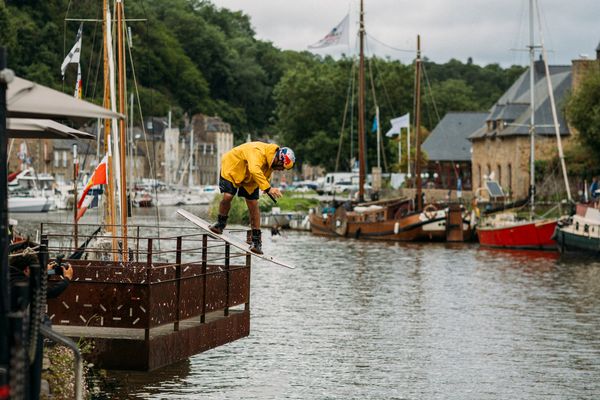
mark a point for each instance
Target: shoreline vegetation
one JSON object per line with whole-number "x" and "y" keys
{"x": 290, "y": 202}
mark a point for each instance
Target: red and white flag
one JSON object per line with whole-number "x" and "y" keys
{"x": 99, "y": 177}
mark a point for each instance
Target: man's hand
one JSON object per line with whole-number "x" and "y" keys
{"x": 276, "y": 193}
{"x": 68, "y": 271}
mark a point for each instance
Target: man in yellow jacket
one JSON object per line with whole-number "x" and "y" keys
{"x": 245, "y": 170}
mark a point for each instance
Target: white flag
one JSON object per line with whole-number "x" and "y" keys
{"x": 337, "y": 36}
{"x": 397, "y": 124}
{"x": 75, "y": 53}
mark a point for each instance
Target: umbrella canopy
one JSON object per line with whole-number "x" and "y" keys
{"x": 42, "y": 129}
{"x": 26, "y": 99}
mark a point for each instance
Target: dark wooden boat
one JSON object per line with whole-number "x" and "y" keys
{"x": 393, "y": 220}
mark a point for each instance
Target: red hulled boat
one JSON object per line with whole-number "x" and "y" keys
{"x": 536, "y": 234}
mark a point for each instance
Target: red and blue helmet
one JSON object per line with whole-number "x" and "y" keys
{"x": 287, "y": 157}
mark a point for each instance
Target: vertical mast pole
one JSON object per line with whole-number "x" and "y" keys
{"x": 553, "y": 107}
{"x": 362, "y": 166}
{"x": 419, "y": 204}
{"x": 378, "y": 138}
{"x": 122, "y": 131}
{"x": 75, "y": 174}
{"x": 110, "y": 216}
{"x": 5, "y": 337}
{"x": 532, "y": 110}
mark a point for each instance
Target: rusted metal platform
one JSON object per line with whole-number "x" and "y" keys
{"x": 169, "y": 299}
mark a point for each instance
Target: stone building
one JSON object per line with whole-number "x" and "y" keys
{"x": 54, "y": 157}
{"x": 501, "y": 146}
{"x": 211, "y": 139}
{"x": 449, "y": 150}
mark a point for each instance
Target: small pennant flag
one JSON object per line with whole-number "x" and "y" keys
{"x": 375, "y": 123}
{"x": 337, "y": 36}
{"x": 74, "y": 55}
{"x": 79, "y": 83}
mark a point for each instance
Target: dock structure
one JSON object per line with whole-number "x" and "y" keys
{"x": 169, "y": 298}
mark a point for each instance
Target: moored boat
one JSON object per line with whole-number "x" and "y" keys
{"x": 507, "y": 230}
{"x": 580, "y": 232}
{"x": 510, "y": 233}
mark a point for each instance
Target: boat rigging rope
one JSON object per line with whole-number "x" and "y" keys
{"x": 371, "y": 61}
{"x": 137, "y": 95}
{"x": 348, "y": 95}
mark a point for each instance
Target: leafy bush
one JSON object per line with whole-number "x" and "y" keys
{"x": 238, "y": 213}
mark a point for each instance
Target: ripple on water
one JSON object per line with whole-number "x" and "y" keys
{"x": 360, "y": 320}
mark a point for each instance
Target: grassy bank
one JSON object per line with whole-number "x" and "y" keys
{"x": 238, "y": 214}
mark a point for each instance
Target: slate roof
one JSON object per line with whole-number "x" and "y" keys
{"x": 513, "y": 106}
{"x": 449, "y": 140}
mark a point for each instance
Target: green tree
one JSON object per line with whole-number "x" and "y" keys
{"x": 583, "y": 110}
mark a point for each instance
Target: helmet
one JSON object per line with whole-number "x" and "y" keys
{"x": 287, "y": 157}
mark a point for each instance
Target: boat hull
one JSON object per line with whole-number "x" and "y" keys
{"x": 525, "y": 235}
{"x": 568, "y": 241}
{"x": 29, "y": 204}
{"x": 411, "y": 228}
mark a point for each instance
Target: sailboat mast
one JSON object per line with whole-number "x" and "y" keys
{"x": 110, "y": 187}
{"x": 561, "y": 155}
{"x": 532, "y": 107}
{"x": 122, "y": 131}
{"x": 362, "y": 166}
{"x": 419, "y": 203}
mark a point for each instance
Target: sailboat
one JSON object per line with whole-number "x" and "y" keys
{"x": 396, "y": 219}
{"x": 506, "y": 230}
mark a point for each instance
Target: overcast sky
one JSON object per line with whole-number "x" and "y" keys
{"x": 486, "y": 30}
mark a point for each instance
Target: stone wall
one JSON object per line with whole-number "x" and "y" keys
{"x": 508, "y": 159}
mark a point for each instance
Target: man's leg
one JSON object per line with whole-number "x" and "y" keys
{"x": 225, "y": 204}
{"x": 224, "y": 207}
{"x": 254, "y": 211}
{"x": 228, "y": 190}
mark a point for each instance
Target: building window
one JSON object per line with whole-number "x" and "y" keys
{"x": 509, "y": 178}
{"x": 500, "y": 174}
{"x": 479, "y": 174}
{"x": 64, "y": 159}
{"x": 56, "y": 158}
{"x": 489, "y": 171}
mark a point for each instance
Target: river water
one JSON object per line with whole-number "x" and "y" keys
{"x": 364, "y": 320}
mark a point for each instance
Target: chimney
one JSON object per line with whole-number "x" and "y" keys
{"x": 540, "y": 70}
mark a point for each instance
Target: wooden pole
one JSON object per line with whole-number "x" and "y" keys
{"x": 122, "y": 131}
{"x": 75, "y": 173}
{"x": 418, "y": 124}
{"x": 109, "y": 214}
{"x": 362, "y": 165}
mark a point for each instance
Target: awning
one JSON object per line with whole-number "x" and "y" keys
{"x": 26, "y": 99}
{"x": 42, "y": 129}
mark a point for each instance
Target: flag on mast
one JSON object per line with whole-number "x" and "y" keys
{"x": 337, "y": 36}
{"x": 79, "y": 83}
{"x": 99, "y": 177}
{"x": 74, "y": 55}
{"x": 398, "y": 124}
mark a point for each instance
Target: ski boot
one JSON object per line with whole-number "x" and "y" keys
{"x": 219, "y": 226}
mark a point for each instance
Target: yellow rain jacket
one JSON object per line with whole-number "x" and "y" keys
{"x": 249, "y": 165}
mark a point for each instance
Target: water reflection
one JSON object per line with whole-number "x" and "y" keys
{"x": 361, "y": 320}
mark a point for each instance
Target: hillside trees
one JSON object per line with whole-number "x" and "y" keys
{"x": 191, "y": 56}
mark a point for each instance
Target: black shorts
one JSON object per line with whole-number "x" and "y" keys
{"x": 227, "y": 187}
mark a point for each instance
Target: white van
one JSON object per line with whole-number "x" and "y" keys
{"x": 339, "y": 182}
